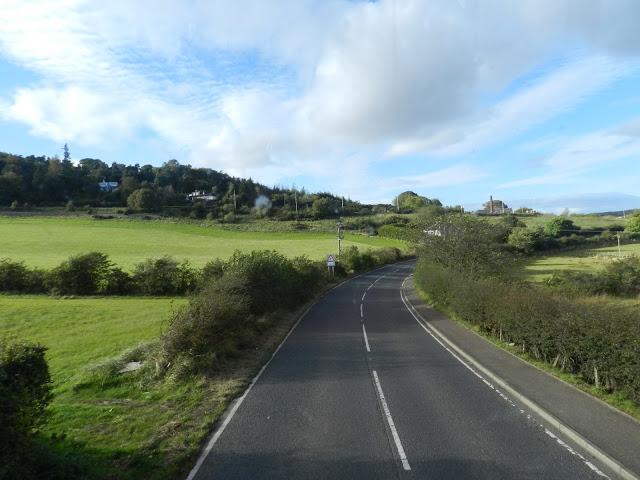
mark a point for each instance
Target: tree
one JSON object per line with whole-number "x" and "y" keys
{"x": 525, "y": 240}
{"x": 559, "y": 225}
{"x": 633, "y": 224}
{"x": 66, "y": 155}
{"x": 322, "y": 207}
{"x": 143, "y": 199}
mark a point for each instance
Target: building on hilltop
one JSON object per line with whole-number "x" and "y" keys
{"x": 200, "y": 195}
{"x": 107, "y": 186}
{"x": 494, "y": 207}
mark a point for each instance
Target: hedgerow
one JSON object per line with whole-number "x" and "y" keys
{"x": 598, "y": 341}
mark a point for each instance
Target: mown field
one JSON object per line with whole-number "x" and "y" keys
{"x": 46, "y": 241}
{"x": 95, "y": 426}
{"x": 539, "y": 268}
{"x": 582, "y": 221}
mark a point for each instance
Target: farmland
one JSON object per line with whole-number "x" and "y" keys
{"x": 46, "y": 241}
{"x": 539, "y": 268}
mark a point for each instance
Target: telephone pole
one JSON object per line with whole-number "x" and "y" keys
{"x": 340, "y": 237}
{"x": 619, "y": 249}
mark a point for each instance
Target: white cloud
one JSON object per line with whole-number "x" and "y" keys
{"x": 327, "y": 78}
{"x": 580, "y": 154}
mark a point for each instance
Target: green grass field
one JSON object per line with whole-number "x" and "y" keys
{"x": 46, "y": 241}
{"x": 582, "y": 221}
{"x": 81, "y": 331}
{"x": 540, "y": 268}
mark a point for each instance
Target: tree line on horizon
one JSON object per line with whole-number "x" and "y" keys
{"x": 29, "y": 181}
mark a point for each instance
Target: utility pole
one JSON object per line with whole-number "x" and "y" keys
{"x": 234, "y": 199}
{"x": 619, "y": 249}
{"x": 295, "y": 196}
{"x": 340, "y": 237}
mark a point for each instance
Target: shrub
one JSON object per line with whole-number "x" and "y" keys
{"x": 164, "y": 276}
{"x": 525, "y": 240}
{"x": 269, "y": 276}
{"x": 16, "y": 277}
{"x": 556, "y": 226}
{"x": 580, "y": 336}
{"x": 633, "y": 224}
{"x": 25, "y": 390}
{"x": 143, "y": 199}
{"x": 81, "y": 275}
{"x": 213, "y": 325}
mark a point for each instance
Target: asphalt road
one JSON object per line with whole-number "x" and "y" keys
{"x": 394, "y": 403}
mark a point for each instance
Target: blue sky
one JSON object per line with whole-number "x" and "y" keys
{"x": 536, "y": 102}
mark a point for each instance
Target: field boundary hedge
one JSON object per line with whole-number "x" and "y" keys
{"x": 600, "y": 343}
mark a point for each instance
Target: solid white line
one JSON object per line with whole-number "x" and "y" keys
{"x": 577, "y": 438}
{"x": 236, "y": 405}
{"x": 366, "y": 340}
{"x": 361, "y": 314}
{"x": 364, "y": 295}
{"x": 392, "y": 426}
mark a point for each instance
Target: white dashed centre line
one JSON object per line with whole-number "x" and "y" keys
{"x": 366, "y": 339}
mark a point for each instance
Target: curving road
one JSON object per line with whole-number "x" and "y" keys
{"x": 360, "y": 390}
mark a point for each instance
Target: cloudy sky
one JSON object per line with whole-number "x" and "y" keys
{"x": 536, "y": 101}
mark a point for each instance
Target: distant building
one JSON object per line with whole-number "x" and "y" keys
{"x": 107, "y": 186}
{"x": 200, "y": 195}
{"x": 494, "y": 207}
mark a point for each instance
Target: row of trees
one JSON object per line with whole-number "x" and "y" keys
{"x": 42, "y": 181}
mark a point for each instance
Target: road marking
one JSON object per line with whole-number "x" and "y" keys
{"x": 364, "y": 295}
{"x": 523, "y": 399}
{"x": 366, "y": 340}
{"x": 392, "y": 426}
{"x": 361, "y": 314}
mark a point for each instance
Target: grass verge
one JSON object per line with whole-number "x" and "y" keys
{"x": 617, "y": 400}
{"x": 134, "y": 426}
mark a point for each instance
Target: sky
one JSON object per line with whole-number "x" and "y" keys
{"x": 536, "y": 102}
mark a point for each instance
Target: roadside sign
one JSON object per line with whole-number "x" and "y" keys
{"x": 331, "y": 261}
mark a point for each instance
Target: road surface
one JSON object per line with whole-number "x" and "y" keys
{"x": 360, "y": 390}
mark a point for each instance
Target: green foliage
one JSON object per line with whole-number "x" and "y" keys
{"x": 86, "y": 274}
{"x": 410, "y": 202}
{"x": 323, "y": 207}
{"x": 621, "y": 277}
{"x": 576, "y": 335}
{"x": 512, "y": 221}
{"x": 143, "y": 200}
{"x": 559, "y": 225}
{"x": 525, "y": 240}
{"x": 633, "y": 224}
{"x": 25, "y": 392}
{"x": 164, "y": 276}
{"x": 16, "y": 277}
{"x": 213, "y": 325}
{"x": 465, "y": 244}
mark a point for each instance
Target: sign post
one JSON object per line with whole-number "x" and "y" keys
{"x": 331, "y": 264}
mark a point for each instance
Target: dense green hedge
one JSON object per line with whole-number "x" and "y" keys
{"x": 25, "y": 392}
{"x": 598, "y": 340}
{"x": 94, "y": 274}
{"x": 242, "y": 298}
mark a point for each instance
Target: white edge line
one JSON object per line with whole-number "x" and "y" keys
{"x": 230, "y": 412}
{"x": 361, "y": 314}
{"x": 578, "y": 439}
{"x": 392, "y": 425}
{"x": 366, "y": 339}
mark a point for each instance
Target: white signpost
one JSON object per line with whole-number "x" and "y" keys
{"x": 331, "y": 263}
